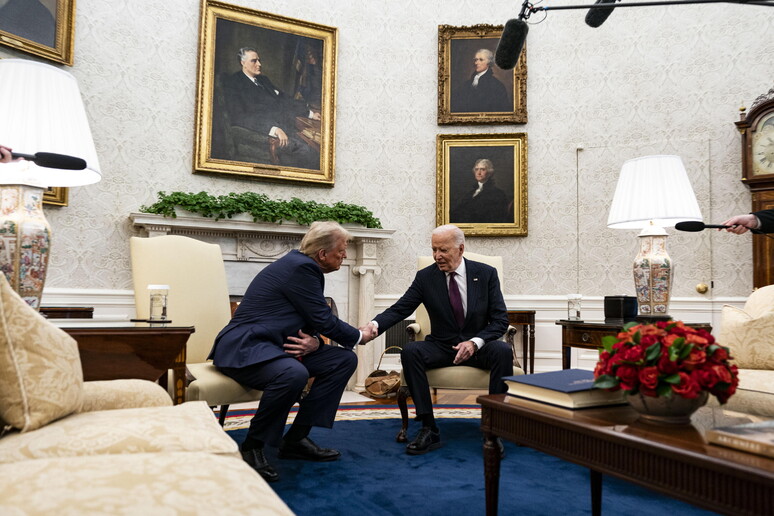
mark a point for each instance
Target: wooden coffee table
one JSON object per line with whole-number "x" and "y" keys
{"x": 675, "y": 460}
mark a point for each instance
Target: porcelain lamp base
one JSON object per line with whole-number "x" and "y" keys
{"x": 25, "y": 238}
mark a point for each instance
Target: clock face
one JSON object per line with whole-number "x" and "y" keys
{"x": 763, "y": 146}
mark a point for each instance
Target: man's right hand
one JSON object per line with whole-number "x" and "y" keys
{"x": 369, "y": 331}
{"x": 282, "y": 137}
{"x": 741, "y": 223}
{"x": 5, "y": 154}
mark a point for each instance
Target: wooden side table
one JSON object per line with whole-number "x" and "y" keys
{"x": 141, "y": 350}
{"x": 525, "y": 318}
{"x": 588, "y": 335}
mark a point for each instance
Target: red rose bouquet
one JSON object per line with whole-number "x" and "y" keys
{"x": 665, "y": 359}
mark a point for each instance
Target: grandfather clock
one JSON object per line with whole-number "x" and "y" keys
{"x": 757, "y": 128}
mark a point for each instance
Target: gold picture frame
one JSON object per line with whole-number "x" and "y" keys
{"x": 43, "y": 28}
{"x": 486, "y": 103}
{"x": 288, "y": 133}
{"x": 499, "y": 205}
{"x": 55, "y": 196}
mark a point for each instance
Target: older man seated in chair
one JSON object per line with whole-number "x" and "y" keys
{"x": 467, "y": 317}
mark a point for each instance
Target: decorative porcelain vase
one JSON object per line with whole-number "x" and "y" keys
{"x": 674, "y": 410}
{"x": 653, "y": 273}
{"x": 25, "y": 237}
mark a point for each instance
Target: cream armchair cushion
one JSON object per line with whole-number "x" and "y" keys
{"x": 40, "y": 368}
{"x": 749, "y": 332}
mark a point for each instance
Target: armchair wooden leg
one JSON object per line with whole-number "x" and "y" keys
{"x": 222, "y": 415}
{"x": 403, "y": 394}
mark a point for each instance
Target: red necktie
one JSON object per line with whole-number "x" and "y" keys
{"x": 456, "y": 300}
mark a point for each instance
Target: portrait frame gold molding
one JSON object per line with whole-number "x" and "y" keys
{"x": 456, "y": 155}
{"x": 457, "y": 47}
{"x": 55, "y": 196}
{"x": 286, "y": 47}
{"x": 52, "y": 41}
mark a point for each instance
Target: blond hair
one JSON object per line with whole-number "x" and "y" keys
{"x": 322, "y": 235}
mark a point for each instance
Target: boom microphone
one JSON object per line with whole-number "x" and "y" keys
{"x": 597, "y": 16}
{"x": 51, "y": 160}
{"x": 511, "y": 42}
{"x": 697, "y": 225}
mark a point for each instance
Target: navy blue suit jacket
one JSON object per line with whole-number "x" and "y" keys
{"x": 767, "y": 221}
{"x": 283, "y": 298}
{"x": 486, "y": 316}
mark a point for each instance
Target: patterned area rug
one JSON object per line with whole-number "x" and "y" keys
{"x": 238, "y": 419}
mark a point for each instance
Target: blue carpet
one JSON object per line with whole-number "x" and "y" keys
{"x": 375, "y": 476}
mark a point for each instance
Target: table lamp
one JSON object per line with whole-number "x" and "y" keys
{"x": 41, "y": 111}
{"x": 653, "y": 193}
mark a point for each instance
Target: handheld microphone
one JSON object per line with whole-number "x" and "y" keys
{"x": 697, "y": 225}
{"x": 51, "y": 160}
{"x": 597, "y": 16}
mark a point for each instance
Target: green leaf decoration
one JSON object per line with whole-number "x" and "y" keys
{"x": 606, "y": 382}
{"x": 653, "y": 351}
{"x": 630, "y": 325}
{"x": 664, "y": 390}
{"x": 261, "y": 208}
{"x": 608, "y": 341}
{"x": 673, "y": 379}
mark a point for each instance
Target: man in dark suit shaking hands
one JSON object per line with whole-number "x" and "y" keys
{"x": 272, "y": 344}
{"x": 467, "y": 317}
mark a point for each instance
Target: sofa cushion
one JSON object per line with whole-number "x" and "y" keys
{"x": 750, "y": 338}
{"x": 145, "y": 483}
{"x": 124, "y": 393}
{"x": 188, "y": 427}
{"x": 40, "y": 369}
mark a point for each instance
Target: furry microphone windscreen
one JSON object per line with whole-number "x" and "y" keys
{"x": 511, "y": 42}
{"x": 598, "y": 15}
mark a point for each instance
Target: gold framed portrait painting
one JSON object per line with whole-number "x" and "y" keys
{"x": 472, "y": 89}
{"x": 55, "y": 196}
{"x": 266, "y": 94}
{"x": 43, "y": 28}
{"x": 481, "y": 183}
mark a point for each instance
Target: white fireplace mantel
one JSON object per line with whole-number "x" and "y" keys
{"x": 249, "y": 246}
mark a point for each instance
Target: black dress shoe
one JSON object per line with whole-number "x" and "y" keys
{"x": 306, "y": 449}
{"x": 257, "y": 460}
{"x": 426, "y": 440}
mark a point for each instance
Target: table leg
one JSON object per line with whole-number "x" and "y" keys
{"x": 525, "y": 349}
{"x": 531, "y": 348}
{"x": 491, "y": 474}
{"x": 596, "y": 492}
{"x": 566, "y": 357}
{"x": 178, "y": 377}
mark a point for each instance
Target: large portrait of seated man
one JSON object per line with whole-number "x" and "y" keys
{"x": 266, "y": 91}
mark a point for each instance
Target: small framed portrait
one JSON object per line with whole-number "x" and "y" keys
{"x": 266, "y": 92}
{"x": 472, "y": 89}
{"x": 55, "y": 196}
{"x": 44, "y": 28}
{"x": 481, "y": 184}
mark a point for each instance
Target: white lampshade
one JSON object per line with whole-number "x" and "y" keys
{"x": 653, "y": 189}
{"x": 41, "y": 111}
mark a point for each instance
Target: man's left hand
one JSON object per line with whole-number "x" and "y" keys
{"x": 465, "y": 350}
{"x": 301, "y": 345}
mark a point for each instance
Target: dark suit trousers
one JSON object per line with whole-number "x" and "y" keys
{"x": 417, "y": 357}
{"x": 282, "y": 381}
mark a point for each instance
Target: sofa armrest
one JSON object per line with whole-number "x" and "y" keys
{"x": 119, "y": 394}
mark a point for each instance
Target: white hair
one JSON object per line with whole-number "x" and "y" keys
{"x": 459, "y": 236}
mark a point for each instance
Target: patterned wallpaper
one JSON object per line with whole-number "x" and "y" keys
{"x": 650, "y": 80}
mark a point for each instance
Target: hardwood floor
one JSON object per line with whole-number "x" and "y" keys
{"x": 443, "y": 397}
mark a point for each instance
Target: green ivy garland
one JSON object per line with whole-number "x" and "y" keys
{"x": 260, "y": 207}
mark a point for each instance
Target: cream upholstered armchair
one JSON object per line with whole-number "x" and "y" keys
{"x": 198, "y": 296}
{"x": 454, "y": 377}
{"x": 749, "y": 334}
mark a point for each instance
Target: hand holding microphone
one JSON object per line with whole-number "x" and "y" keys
{"x": 741, "y": 223}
